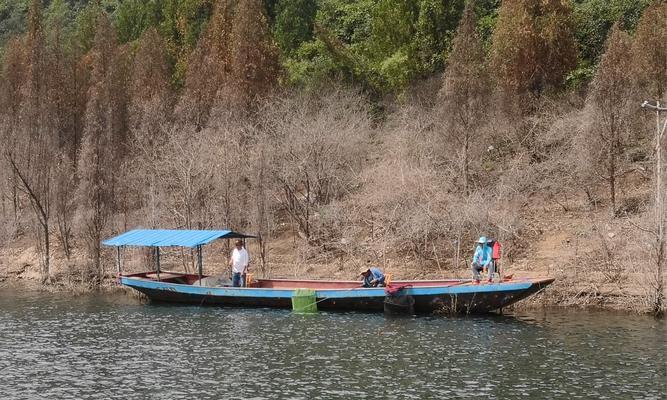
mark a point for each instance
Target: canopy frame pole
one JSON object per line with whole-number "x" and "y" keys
{"x": 119, "y": 267}
{"x": 199, "y": 263}
{"x": 157, "y": 262}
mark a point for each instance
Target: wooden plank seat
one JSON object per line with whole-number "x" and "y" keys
{"x": 163, "y": 276}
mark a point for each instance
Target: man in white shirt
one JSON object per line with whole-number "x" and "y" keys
{"x": 239, "y": 262}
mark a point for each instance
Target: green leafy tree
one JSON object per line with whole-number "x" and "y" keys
{"x": 593, "y": 20}
{"x": 435, "y": 30}
{"x": 341, "y": 28}
{"x": 57, "y": 18}
{"x": 271, "y": 7}
{"x": 85, "y": 26}
{"x": 347, "y": 20}
{"x": 383, "y": 45}
{"x": 391, "y": 50}
{"x": 13, "y": 21}
{"x": 294, "y": 24}
{"x": 133, "y": 17}
{"x": 182, "y": 23}
{"x": 487, "y": 15}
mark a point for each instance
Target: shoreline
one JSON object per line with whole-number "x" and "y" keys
{"x": 552, "y": 297}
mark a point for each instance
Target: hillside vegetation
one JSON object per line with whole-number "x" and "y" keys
{"x": 340, "y": 131}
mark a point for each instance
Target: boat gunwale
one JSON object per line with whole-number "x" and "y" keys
{"x": 454, "y": 281}
{"x": 360, "y": 292}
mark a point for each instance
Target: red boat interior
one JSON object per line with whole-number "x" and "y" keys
{"x": 189, "y": 279}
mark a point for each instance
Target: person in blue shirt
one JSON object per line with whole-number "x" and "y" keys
{"x": 373, "y": 277}
{"x": 482, "y": 259}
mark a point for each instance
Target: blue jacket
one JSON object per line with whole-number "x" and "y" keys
{"x": 376, "y": 275}
{"x": 483, "y": 255}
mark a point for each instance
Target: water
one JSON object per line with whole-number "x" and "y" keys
{"x": 113, "y": 347}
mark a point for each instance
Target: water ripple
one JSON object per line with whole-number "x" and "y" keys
{"x": 106, "y": 347}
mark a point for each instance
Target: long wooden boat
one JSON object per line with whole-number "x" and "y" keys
{"x": 447, "y": 296}
{"x": 419, "y": 296}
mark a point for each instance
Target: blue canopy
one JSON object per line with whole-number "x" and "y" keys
{"x": 171, "y": 237}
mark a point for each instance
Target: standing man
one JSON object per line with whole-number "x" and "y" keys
{"x": 482, "y": 259}
{"x": 239, "y": 262}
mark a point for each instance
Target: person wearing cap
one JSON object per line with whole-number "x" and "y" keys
{"x": 482, "y": 259}
{"x": 373, "y": 277}
{"x": 239, "y": 261}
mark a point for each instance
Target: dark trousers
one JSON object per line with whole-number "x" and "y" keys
{"x": 238, "y": 279}
{"x": 477, "y": 268}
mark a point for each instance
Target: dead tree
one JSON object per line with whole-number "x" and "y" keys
{"x": 659, "y": 230}
{"x": 608, "y": 106}
{"x": 31, "y": 155}
{"x": 37, "y": 187}
{"x": 466, "y": 85}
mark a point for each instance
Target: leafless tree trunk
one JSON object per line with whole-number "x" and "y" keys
{"x": 608, "y": 102}
{"x": 659, "y": 247}
{"x": 262, "y": 217}
{"x": 466, "y": 156}
{"x": 464, "y": 91}
{"x": 38, "y": 192}
{"x": 64, "y": 204}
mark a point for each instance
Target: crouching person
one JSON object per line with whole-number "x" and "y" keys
{"x": 482, "y": 260}
{"x": 373, "y": 277}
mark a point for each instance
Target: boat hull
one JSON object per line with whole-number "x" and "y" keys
{"x": 454, "y": 296}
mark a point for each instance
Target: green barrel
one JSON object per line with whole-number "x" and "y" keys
{"x": 304, "y": 301}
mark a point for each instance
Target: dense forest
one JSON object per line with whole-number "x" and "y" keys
{"x": 396, "y": 130}
{"x": 382, "y": 46}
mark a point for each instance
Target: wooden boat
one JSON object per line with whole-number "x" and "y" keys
{"x": 423, "y": 296}
{"x": 453, "y": 295}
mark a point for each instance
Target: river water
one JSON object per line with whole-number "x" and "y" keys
{"x": 114, "y": 347}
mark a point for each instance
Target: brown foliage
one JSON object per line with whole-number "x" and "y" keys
{"x": 254, "y": 60}
{"x": 150, "y": 117}
{"x": 609, "y": 104}
{"x": 149, "y": 88}
{"x": 407, "y": 184}
{"x": 533, "y": 47}
{"x": 317, "y": 145}
{"x": 103, "y": 143}
{"x": 234, "y": 65}
{"x": 33, "y": 152}
{"x": 649, "y": 52}
{"x": 14, "y": 73}
{"x": 209, "y": 66}
{"x": 465, "y": 90}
